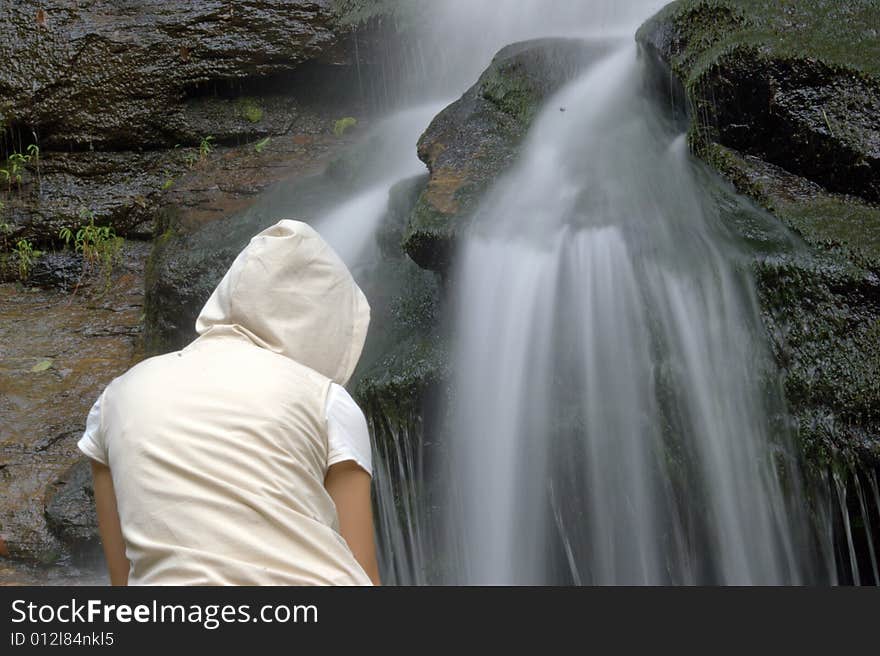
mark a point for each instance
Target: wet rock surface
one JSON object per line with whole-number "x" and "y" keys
{"x": 70, "y": 510}
{"x": 146, "y": 114}
{"x": 58, "y": 349}
{"x": 783, "y": 101}
{"x": 797, "y": 86}
{"x": 109, "y": 107}
{"x": 85, "y": 75}
{"x": 471, "y": 142}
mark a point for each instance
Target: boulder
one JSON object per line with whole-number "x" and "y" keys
{"x": 70, "y": 511}
{"x": 471, "y": 142}
{"x": 797, "y": 85}
{"x": 87, "y": 76}
{"x": 782, "y": 99}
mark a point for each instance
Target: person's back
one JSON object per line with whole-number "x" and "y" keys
{"x": 219, "y": 452}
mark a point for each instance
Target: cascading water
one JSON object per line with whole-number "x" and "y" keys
{"x": 350, "y": 227}
{"x": 612, "y": 420}
{"x": 615, "y": 416}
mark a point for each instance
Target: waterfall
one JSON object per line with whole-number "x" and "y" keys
{"x": 612, "y": 419}
{"x": 614, "y": 414}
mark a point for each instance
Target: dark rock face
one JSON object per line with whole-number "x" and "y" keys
{"x": 122, "y": 101}
{"x": 783, "y": 100}
{"x": 85, "y": 75}
{"x": 121, "y": 188}
{"x": 70, "y": 512}
{"x": 181, "y": 274}
{"x": 406, "y": 357}
{"x": 471, "y": 142}
{"x": 796, "y": 88}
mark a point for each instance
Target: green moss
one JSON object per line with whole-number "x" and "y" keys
{"x": 509, "y": 88}
{"x": 343, "y": 125}
{"x": 832, "y": 221}
{"x": 827, "y": 344}
{"x": 838, "y": 33}
{"x": 250, "y": 110}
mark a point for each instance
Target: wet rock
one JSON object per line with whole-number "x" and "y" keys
{"x": 120, "y": 105}
{"x": 797, "y": 86}
{"x": 58, "y": 349}
{"x": 181, "y": 274}
{"x": 407, "y": 358}
{"x": 122, "y": 189}
{"x": 783, "y": 100}
{"x": 83, "y": 76}
{"x": 200, "y": 235}
{"x": 70, "y": 509}
{"x": 62, "y": 270}
{"x": 476, "y": 138}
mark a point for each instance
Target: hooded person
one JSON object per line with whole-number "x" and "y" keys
{"x": 240, "y": 459}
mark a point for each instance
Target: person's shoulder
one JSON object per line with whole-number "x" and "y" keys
{"x": 339, "y": 397}
{"x": 143, "y": 368}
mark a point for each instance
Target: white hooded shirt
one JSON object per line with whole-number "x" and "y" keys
{"x": 218, "y": 452}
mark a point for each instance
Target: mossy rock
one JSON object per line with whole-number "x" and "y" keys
{"x": 782, "y": 99}
{"x": 471, "y": 142}
{"x": 796, "y": 84}
{"x": 405, "y": 362}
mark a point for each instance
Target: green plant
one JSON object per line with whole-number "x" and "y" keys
{"x": 15, "y": 166}
{"x": 5, "y": 228}
{"x": 33, "y": 153}
{"x": 99, "y": 245}
{"x": 26, "y": 255}
{"x": 341, "y": 126}
{"x": 169, "y": 179}
{"x": 206, "y": 147}
{"x": 260, "y": 145}
{"x": 12, "y": 173}
{"x": 66, "y": 235}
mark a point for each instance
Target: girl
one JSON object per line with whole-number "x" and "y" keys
{"x": 241, "y": 460}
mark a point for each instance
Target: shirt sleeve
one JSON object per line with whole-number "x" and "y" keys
{"x": 348, "y": 435}
{"x": 92, "y": 442}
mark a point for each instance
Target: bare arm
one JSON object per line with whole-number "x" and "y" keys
{"x": 349, "y": 487}
{"x": 108, "y": 524}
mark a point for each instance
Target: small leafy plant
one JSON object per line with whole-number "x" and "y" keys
{"x": 169, "y": 179}
{"x": 250, "y": 110}
{"x": 206, "y": 147}
{"x": 99, "y": 245}
{"x": 261, "y": 144}
{"x": 25, "y": 255}
{"x": 11, "y": 174}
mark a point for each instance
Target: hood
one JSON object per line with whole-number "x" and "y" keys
{"x": 290, "y": 293}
